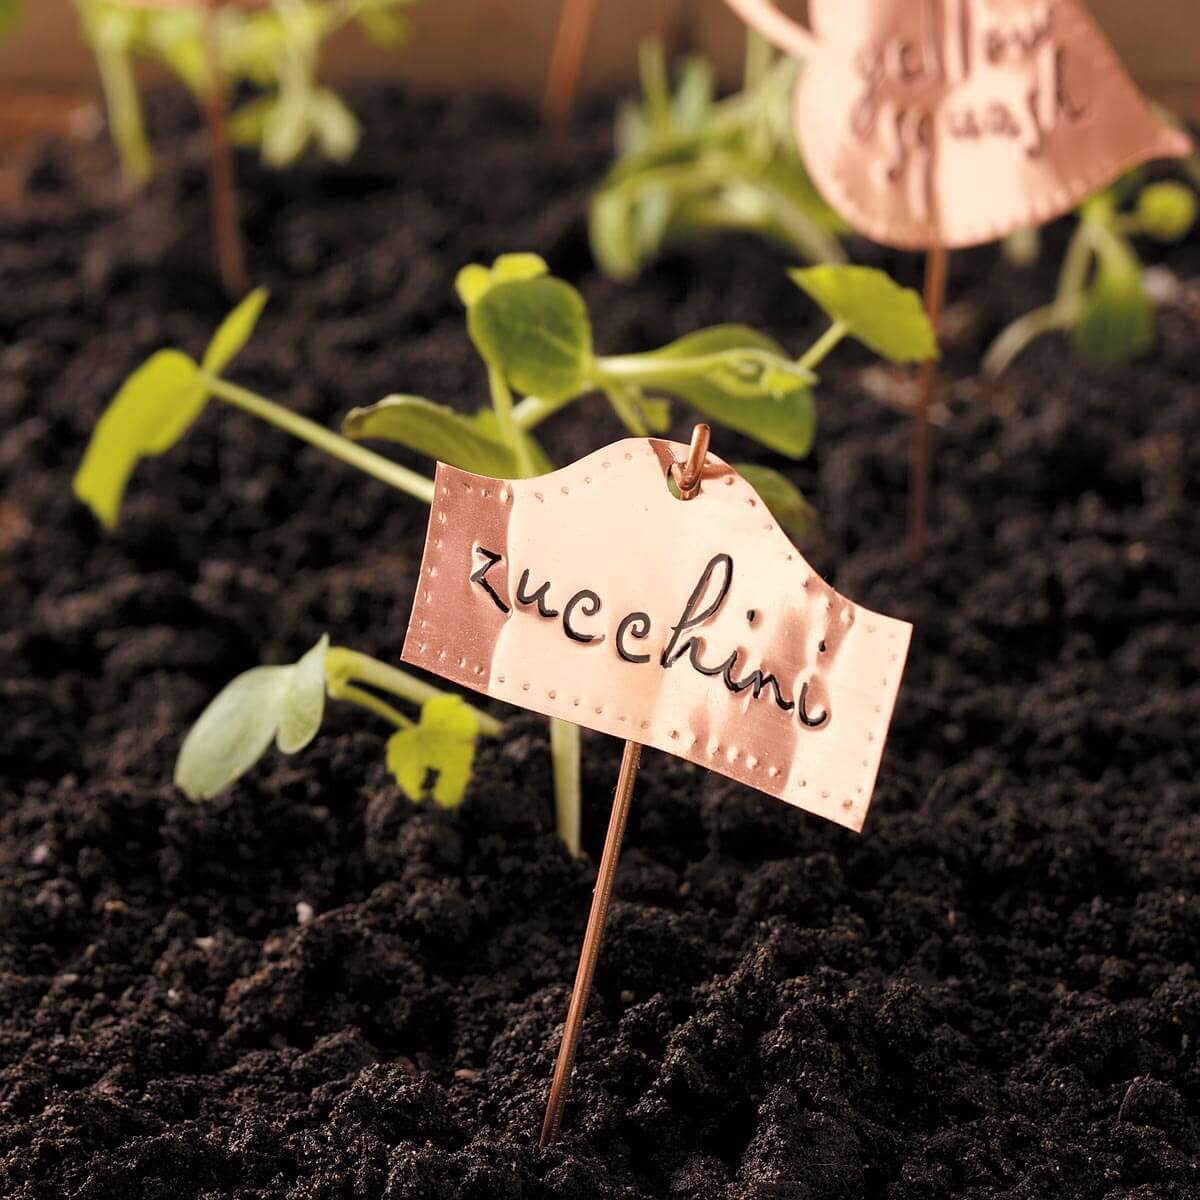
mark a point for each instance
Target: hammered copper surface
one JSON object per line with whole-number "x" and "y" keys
{"x": 955, "y": 122}
{"x": 613, "y": 557}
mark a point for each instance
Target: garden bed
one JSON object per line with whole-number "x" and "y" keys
{"x": 309, "y": 988}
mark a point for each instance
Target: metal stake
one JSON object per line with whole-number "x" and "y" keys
{"x": 687, "y": 477}
{"x": 936, "y": 262}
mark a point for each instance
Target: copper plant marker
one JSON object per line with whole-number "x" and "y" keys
{"x": 222, "y": 184}
{"x": 938, "y": 124}
{"x": 594, "y": 595}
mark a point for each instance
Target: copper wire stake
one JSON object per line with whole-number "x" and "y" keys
{"x": 566, "y": 58}
{"x": 687, "y": 477}
{"x": 231, "y": 260}
{"x": 936, "y": 263}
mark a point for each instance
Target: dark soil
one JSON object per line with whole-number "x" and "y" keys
{"x": 991, "y": 993}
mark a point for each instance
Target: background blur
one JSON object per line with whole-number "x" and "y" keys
{"x": 45, "y": 68}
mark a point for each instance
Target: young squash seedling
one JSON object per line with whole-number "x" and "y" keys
{"x": 688, "y": 164}
{"x": 217, "y": 48}
{"x": 1102, "y": 299}
{"x": 534, "y": 335}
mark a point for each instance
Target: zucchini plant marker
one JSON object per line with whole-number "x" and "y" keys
{"x": 938, "y": 124}
{"x": 678, "y": 617}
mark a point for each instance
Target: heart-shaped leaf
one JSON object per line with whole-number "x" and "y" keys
{"x": 536, "y": 333}
{"x": 435, "y": 755}
{"x": 155, "y": 407}
{"x": 884, "y": 316}
{"x": 434, "y": 430}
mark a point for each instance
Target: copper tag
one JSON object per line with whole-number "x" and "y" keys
{"x": 594, "y": 594}
{"x": 953, "y": 122}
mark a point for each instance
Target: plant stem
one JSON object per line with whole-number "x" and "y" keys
{"x": 364, "y": 699}
{"x": 342, "y": 664}
{"x": 393, "y": 474}
{"x": 625, "y": 408}
{"x": 1076, "y": 263}
{"x": 227, "y": 234}
{"x": 1014, "y": 337}
{"x": 124, "y": 113}
{"x": 502, "y": 403}
{"x": 564, "y": 758}
{"x": 822, "y": 346}
{"x": 758, "y": 61}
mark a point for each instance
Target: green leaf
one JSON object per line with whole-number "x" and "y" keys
{"x": 1116, "y": 321}
{"x": 788, "y": 506}
{"x": 304, "y": 700}
{"x": 155, "y": 407}
{"x": 248, "y": 124}
{"x": 739, "y": 378}
{"x": 444, "y": 743}
{"x": 613, "y": 233}
{"x": 281, "y": 703}
{"x": 536, "y": 332}
{"x": 335, "y": 127}
{"x": 475, "y": 280}
{"x": 232, "y": 733}
{"x": 1166, "y": 211}
{"x": 487, "y": 421}
{"x": 234, "y": 332}
{"x": 286, "y": 128}
{"x": 433, "y": 430}
{"x": 873, "y": 308}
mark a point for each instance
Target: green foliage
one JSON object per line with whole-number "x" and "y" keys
{"x": 154, "y": 409}
{"x": 284, "y": 704}
{"x": 536, "y": 333}
{"x": 688, "y": 164}
{"x": 1115, "y": 321}
{"x": 869, "y": 306}
{"x": 274, "y": 49}
{"x": 1101, "y": 300}
{"x": 738, "y": 378}
{"x": 796, "y": 517}
{"x": 287, "y": 704}
{"x": 436, "y": 431}
{"x": 1166, "y": 211}
{"x": 435, "y": 756}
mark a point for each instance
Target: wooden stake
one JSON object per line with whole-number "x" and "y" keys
{"x": 222, "y": 186}
{"x": 562, "y": 79}
{"x": 561, "y": 1082}
{"x": 936, "y": 264}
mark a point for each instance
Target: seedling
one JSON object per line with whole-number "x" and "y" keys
{"x": 689, "y": 164}
{"x": 1102, "y": 300}
{"x": 534, "y": 335}
{"x": 216, "y": 48}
